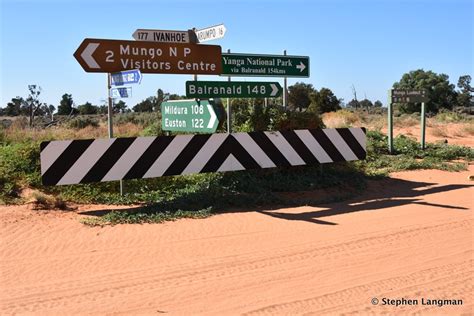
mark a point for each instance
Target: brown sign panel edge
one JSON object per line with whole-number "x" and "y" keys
{"x": 104, "y": 55}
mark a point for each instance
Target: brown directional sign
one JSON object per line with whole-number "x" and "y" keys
{"x": 407, "y": 96}
{"x": 102, "y": 55}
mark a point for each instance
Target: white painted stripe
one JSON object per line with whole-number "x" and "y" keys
{"x": 230, "y": 164}
{"x": 206, "y": 152}
{"x": 285, "y": 148}
{"x": 52, "y": 152}
{"x": 254, "y": 150}
{"x": 340, "y": 144}
{"x": 168, "y": 156}
{"x": 129, "y": 158}
{"x": 360, "y": 136}
{"x": 86, "y": 161}
{"x": 313, "y": 145}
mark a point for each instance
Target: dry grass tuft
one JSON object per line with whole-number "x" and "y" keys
{"x": 440, "y": 131}
{"x": 341, "y": 118}
{"x": 43, "y": 201}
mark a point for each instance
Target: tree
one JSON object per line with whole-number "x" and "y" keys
{"x": 465, "y": 95}
{"x": 120, "y": 107}
{"x": 366, "y": 103}
{"x": 299, "y": 95}
{"x": 32, "y": 104}
{"x": 88, "y": 108}
{"x": 146, "y": 105}
{"x": 440, "y": 92}
{"x": 48, "y": 110}
{"x": 323, "y": 101}
{"x": 353, "y": 104}
{"x": 13, "y": 107}
{"x": 66, "y": 105}
{"x": 378, "y": 104}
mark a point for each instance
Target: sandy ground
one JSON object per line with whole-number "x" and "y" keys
{"x": 406, "y": 237}
{"x": 451, "y": 133}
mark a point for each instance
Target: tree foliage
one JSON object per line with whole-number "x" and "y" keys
{"x": 32, "y": 105}
{"x": 323, "y": 101}
{"x": 66, "y": 105}
{"x": 441, "y": 93}
{"x": 299, "y": 95}
{"x": 88, "y": 108}
{"x": 120, "y": 107}
{"x": 466, "y": 92}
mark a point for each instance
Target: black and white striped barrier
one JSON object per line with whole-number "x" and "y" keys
{"x": 96, "y": 160}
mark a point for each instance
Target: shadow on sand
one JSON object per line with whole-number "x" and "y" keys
{"x": 380, "y": 194}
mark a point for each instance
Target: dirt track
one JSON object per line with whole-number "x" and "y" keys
{"x": 410, "y": 237}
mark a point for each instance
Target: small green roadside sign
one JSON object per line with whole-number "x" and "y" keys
{"x": 264, "y": 65}
{"x": 189, "y": 116}
{"x": 232, "y": 89}
{"x": 407, "y": 96}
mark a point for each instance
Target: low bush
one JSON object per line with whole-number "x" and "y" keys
{"x": 341, "y": 118}
{"x": 80, "y": 122}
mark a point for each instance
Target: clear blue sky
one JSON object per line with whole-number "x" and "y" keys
{"x": 366, "y": 43}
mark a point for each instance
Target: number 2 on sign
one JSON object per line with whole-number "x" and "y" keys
{"x": 197, "y": 123}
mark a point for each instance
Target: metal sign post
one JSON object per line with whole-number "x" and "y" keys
{"x": 406, "y": 96}
{"x": 285, "y": 88}
{"x": 423, "y": 124}
{"x": 110, "y": 113}
{"x": 229, "y": 122}
{"x": 390, "y": 124}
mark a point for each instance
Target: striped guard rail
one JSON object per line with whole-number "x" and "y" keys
{"x": 96, "y": 160}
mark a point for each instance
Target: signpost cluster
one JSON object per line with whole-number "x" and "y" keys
{"x": 182, "y": 52}
{"x": 406, "y": 96}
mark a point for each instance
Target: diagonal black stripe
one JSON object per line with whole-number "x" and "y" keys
{"x": 43, "y": 145}
{"x": 230, "y": 146}
{"x": 327, "y": 145}
{"x": 149, "y": 156}
{"x": 270, "y": 149}
{"x": 352, "y": 142}
{"x": 300, "y": 147}
{"x": 107, "y": 160}
{"x": 65, "y": 161}
{"x": 187, "y": 154}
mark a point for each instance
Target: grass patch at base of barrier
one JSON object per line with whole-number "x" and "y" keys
{"x": 243, "y": 190}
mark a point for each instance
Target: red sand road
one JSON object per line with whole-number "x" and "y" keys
{"x": 409, "y": 236}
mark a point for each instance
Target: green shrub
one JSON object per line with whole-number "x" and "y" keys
{"x": 82, "y": 122}
{"x": 447, "y": 116}
{"x": 19, "y": 167}
{"x": 141, "y": 119}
